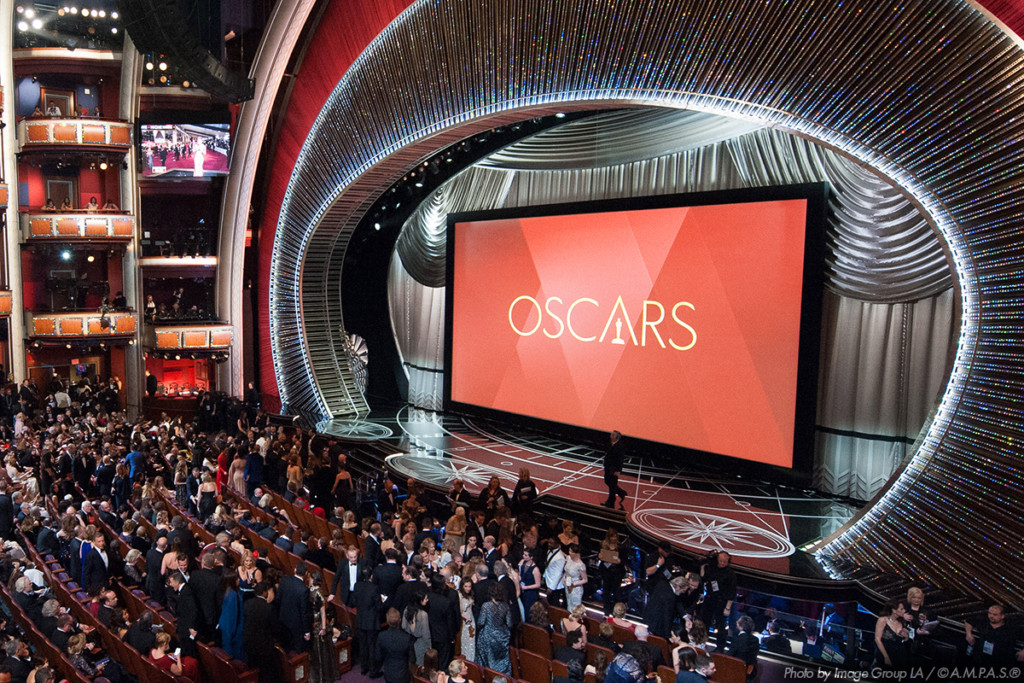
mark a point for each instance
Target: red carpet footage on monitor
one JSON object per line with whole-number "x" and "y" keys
{"x": 677, "y": 325}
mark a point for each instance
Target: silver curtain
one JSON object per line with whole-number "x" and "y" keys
{"x": 888, "y": 326}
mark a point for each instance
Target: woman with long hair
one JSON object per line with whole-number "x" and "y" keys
{"x": 323, "y": 666}
{"x": 414, "y": 622}
{"x": 495, "y": 623}
{"x": 529, "y": 580}
{"x": 249, "y": 576}
{"x": 892, "y": 637}
{"x": 467, "y": 634}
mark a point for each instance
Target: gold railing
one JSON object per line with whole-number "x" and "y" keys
{"x": 83, "y": 324}
{"x": 85, "y": 132}
{"x": 117, "y": 227}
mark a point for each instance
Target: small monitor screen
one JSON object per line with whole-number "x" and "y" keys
{"x": 185, "y": 150}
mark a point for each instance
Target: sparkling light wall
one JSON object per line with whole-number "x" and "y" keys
{"x": 927, "y": 92}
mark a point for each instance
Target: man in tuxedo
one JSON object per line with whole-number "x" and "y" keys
{"x": 654, "y": 654}
{"x": 444, "y": 619}
{"x": 387, "y": 576}
{"x": 394, "y": 650}
{"x": 482, "y": 589}
{"x": 294, "y": 609}
{"x": 491, "y": 553}
{"x": 6, "y": 512}
{"x": 509, "y": 587}
{"x": 258, "y": 634}
{"x": 403, "y": 593}
{"x": 154, "y": 562}
{"x": 347, "y": 575}
{"x": 574, "y": 648}
{"x": 19, "y": 659}
{"x": 366, "y": 599}
{"x": 205, "y": 584}
{"x": 187, "y": 612}
{"x": 96, "y": 571}
{"x": 371, "y": 546}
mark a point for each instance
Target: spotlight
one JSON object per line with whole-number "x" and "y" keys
{"x": 68, "y": 345}
{"x": 22, "y": 25}
{"x": 113, "y": 29}
{"x": 103, "y": 13}
{"x": 376, "y": 226}
{"x": 419, "y": 184}
{"x": 184, "y": 84}
{"x": 74, "y": 10}
{"x": 560, "y": 115}
{"x": 149, "y": 66}
{"x": 103, "y": 166}
{"x": 163, "y": 66}
{"x": 29, "y": 13}
{"x": 20, "y": 9}
{"x": 36, "y": 345}
{"x": 37, "y": 23}
{"x": 65, "y": 255}
{"x": 163, "y": 79}
{"x": 90, "y": 258}
{"x": 131, "y": 342}
{"x": 177, "y": 356}
{"x": 62, "y": 11}
{"x": 114, "y": 15}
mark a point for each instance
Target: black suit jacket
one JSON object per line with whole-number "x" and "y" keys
{"x": 258, "y": 631}
{"x": 154, "y": 581}
{"x": 30, "y": 605}
{"x": 186, "y": 609}
{"x": 94, "y": 573}
{"x": 371, "y": 550}
{"x": 401, "y": 596}
{"x": 294, "y": 610}
{"x": 394, "y": 652}
{"x": 367, "y": 601}
{"x": 205, "y": 585}
{"x": 657, "y": 658}
{"x": 6, "y": 516}
{"x": 388, "y": 577}
{"x": 745, "y": 646}
{"x": 443, "y": 616}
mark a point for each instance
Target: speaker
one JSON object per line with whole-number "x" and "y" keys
{"x": 160, "y": 26}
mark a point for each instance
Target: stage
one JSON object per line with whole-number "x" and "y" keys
{"x": 763, "y": 525}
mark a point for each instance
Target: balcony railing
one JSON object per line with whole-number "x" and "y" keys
{"x": 197, "y": 337}
{"x": 92, "y": 133}
{"x": 109, "y": 227}
{"x": 82, "y": 325}
{"x": 3, "y": 196}
{"x": 6, "y": 302}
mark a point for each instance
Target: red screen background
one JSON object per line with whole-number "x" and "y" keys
{"x": 732, "y": 391}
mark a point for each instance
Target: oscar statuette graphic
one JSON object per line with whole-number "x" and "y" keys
{"x": 618, "y": 333}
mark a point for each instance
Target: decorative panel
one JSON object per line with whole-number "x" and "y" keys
{"x": 99, "y": 226}
{"x": 5, "y": 302}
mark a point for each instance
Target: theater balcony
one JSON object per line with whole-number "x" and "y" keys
{"x": 41, "y": 135}
{"x": 176, "y": 336}
{"x": 70, "y": 227}
{"x": 6, "y": 301}
{"x": 110, "y": 327}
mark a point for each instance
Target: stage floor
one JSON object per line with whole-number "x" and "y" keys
{"x": 762, "y": 525}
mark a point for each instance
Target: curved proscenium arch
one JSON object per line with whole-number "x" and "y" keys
{"x": 926, "y": 92}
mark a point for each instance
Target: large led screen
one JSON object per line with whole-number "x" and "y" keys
{"x": 674, "y": 320}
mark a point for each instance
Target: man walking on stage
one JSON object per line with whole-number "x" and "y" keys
{"x": 612, "y": 469}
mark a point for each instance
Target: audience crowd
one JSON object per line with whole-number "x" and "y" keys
{"x": 422, "y": 583}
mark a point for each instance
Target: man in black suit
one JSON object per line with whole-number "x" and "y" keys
{"x": 371, "y": 546}
{"x": 482, "y": 589}
{"x": 367, "y": 601}
{"x": 294, "y": 609}
{"x": 205, "y": 584}
{"x": 258, "y": 634}
{"x": 65, "y": 629}
{"x": 509, "y": 586}
{"x": 387, "y": 576}
{"x": 6, "y": 512}
{"x": 664, "y": 606}
{"x": 444, "y": 619}
{"x": 187, "y": 612}
{"x": 403, "y": 594}
{"x": 140, "y": 634}
{"x": 346, "y": 576}
{"x": 574, "y": 648}
{"x": 654, "y": 654}
{"x": 491, "y": 553}
{"x": 394, "y": 650}
{"x": 154, "y": 562}
{"x": 27, "y": 600}
{"x": 613, "y": 460}
{"x": 745, "y": 645}
{"x": 95, "y": 570}
{"x": 19, "y": 659}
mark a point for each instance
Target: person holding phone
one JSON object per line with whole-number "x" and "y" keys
{"x": 158, "y": 655}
